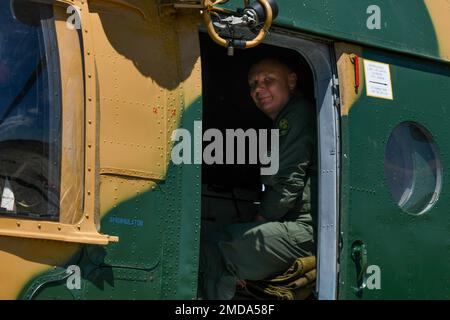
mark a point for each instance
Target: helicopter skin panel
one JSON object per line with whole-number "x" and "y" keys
{"x": 440, "y": 15}
{"x": 417, "y": 27}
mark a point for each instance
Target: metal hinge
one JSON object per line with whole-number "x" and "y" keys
{"x": 335, "y": 86}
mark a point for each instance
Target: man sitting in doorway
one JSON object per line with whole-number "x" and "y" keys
{"x": 283, "y": 229}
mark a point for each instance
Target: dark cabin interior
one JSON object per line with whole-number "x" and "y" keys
{"x": 227, "y": 103}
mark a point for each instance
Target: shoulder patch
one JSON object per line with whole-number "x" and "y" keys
{"x": 283, "y": 125}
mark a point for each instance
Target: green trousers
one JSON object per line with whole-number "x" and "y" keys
{"x": 249, "y": 251}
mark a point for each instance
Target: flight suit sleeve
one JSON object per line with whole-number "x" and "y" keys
{"x": 296, "y": 149}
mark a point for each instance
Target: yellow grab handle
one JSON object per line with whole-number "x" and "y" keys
{"x": 209, "y": 6}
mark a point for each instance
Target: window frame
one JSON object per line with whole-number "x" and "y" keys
{"x": 86, "y": 230}
{"x": 407, "y": 149}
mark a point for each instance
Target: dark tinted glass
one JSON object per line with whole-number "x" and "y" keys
{"x": 29, "y": 112}
{"x": 412, "y": 168}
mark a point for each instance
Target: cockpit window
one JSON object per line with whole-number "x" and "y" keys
{"x": 30, "y": 113}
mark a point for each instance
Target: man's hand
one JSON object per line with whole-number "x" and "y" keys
{"x": 241, "y": 284}
{"x": 260, "y": 218}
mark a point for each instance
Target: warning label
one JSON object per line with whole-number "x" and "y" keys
{"x": 378, "y": 80}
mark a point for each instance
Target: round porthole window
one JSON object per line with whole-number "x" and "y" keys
{"x": 412, "y": 168}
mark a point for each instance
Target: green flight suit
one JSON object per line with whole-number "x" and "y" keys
{"x": 259, "y": 250}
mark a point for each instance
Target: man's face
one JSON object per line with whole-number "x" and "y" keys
{"x": 271, "y": 84}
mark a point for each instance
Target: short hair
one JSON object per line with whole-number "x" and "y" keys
{"x": 276, "y": 59}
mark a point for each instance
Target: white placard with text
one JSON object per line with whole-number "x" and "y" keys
{"x": 378, "y": 80}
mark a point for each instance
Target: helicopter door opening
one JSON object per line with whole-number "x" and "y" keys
{"x": 231, "y": 192}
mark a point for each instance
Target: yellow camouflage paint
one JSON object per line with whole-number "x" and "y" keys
{"x": 160, "y": 78}
{"x": 439, "y": 11}
{"x": 346, "y": 72}
{"x": 24, "y": 259}
{"x": 153, "y": 64}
